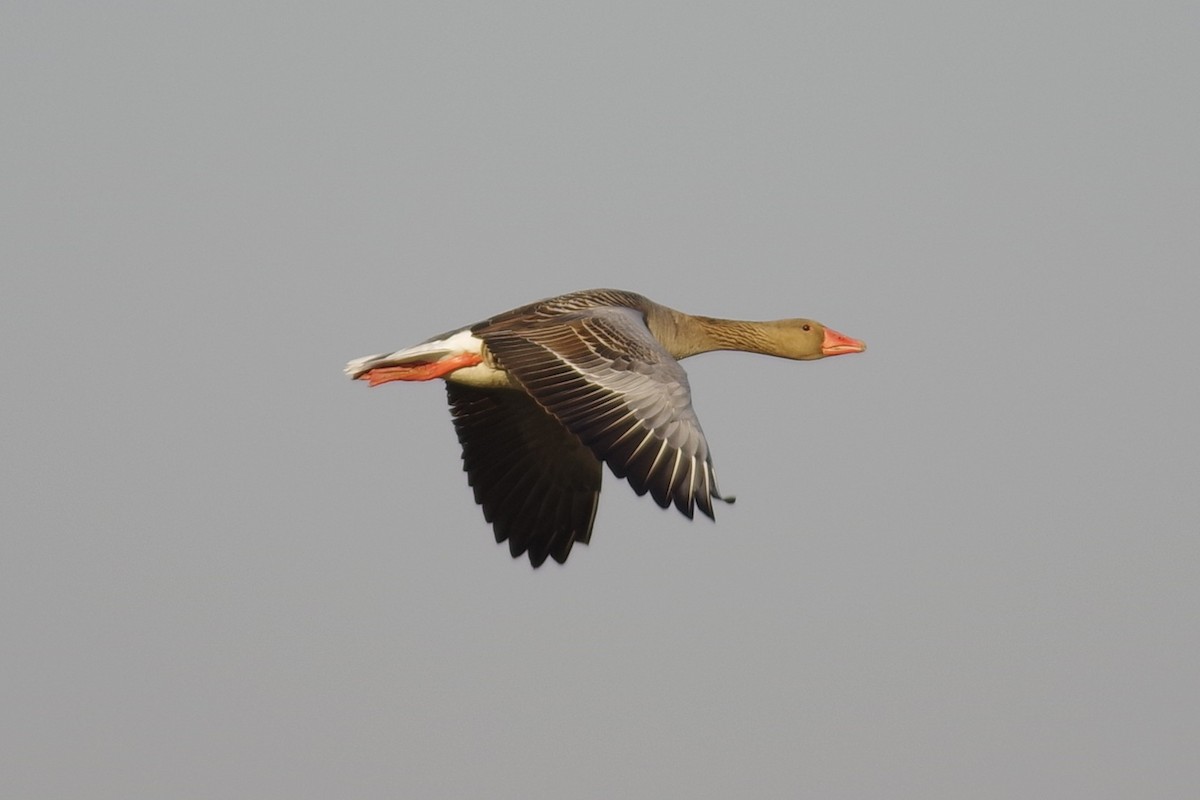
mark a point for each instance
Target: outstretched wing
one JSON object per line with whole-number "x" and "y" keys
{"x": 602, "y": 375}
{"x": 538, "y": 485}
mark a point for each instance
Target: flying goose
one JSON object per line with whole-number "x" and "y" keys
{"x": 542, "y": 394}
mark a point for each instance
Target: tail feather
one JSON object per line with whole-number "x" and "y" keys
{"x": 361, "y": 366}
{"x": 434, "y": 350}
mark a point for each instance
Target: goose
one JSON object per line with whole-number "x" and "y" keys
{"x": 542, "y": 394}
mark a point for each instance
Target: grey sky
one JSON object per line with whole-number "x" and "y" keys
{"x": 962, "y": 564}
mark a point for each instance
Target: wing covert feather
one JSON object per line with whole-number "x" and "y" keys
{"x": 602, "y": 374}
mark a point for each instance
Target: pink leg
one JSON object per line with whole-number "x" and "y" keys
{"x": 421, "y": 370}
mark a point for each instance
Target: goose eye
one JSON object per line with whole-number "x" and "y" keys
{"x": 807, "y": 327}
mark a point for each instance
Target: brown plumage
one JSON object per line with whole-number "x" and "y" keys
{"x": 542, "y": 394}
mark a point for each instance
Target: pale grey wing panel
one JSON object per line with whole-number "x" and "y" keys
{"x": 537, "y": 484}
{"x": 603, "y": 375}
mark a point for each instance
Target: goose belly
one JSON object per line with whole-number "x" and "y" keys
{"x": 482, "y": 376}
